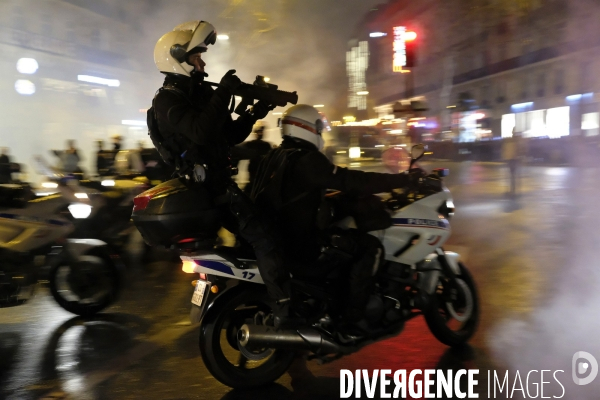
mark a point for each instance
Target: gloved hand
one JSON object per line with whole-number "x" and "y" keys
{"x": 414, "y": 175}
{"x": 230, "y": 81}
{"x": 261, "y": 109}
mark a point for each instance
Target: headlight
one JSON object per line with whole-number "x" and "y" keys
{"x": 447, "y": 209}
{"x": 354, "y": 152}
{"x": 80, "y": 210}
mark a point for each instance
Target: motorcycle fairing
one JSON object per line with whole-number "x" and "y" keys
{"x": 213, "y": 264}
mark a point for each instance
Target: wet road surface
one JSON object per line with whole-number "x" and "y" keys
{"x": 533, "y": 258}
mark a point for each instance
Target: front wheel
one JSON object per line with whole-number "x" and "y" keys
{"x": 87, "y": 287}
{"x": 453, "y": 312}
{"x": 220, "y": 350}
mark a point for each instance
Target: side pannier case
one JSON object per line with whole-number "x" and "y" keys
{"x": 175, "y": 213}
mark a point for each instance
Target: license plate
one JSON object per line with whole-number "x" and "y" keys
{"x": 199, "y": 293}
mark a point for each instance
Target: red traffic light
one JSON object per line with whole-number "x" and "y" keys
{"x": 410, "y": 36}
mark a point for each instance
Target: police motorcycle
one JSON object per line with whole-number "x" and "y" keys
{"x": 112, "y": 196}
{"x": 51, "y": 231}
{"x": 238, "y": 342}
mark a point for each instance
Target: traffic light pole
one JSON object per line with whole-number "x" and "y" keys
{"x": 409, "y": 83}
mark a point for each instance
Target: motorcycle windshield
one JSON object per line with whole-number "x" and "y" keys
{"x": 396, "y": 159}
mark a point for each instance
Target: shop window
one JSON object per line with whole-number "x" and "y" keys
{"x": 590, "y": 122}
{"x": 507, "y": 125}
{"x": 557, "y": 122}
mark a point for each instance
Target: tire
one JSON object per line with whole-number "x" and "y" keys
{"x": 87, "y": 290}
{"x": 220, "y": 331}
{"x": 438, "y": 314}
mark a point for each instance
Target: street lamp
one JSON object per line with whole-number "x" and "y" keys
{"x": 362, "y": 93}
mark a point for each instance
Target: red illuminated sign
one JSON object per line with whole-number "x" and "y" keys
{"x": 401, "y": 37}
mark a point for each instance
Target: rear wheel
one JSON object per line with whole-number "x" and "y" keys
{"x": 87, "y": 287}
{"x": 221, "y": 353}
{"x": 453, "y": 313}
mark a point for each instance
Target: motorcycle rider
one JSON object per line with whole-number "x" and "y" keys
{"x": 297, "y": 192}
{"x": 196, "y": 124}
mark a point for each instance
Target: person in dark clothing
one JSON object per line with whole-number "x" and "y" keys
{"x": 259, "y": 148}
{"x": 297, "y": 193}
{"x": 254, "y": 151}
{"x": 103, "y": 159}
{"x": 69, "y": 159}
{"x": 196, "y": 124}
{"x": 5, "y": 167}
{"x": 117, "y": 141}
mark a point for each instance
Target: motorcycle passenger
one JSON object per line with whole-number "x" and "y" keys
{"x": 195, "y": 122}
{"x": 297, "y": 191}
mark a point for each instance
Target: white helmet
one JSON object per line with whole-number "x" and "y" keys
{"x": 303, "y": 122}
{"x": 173, "y": 48}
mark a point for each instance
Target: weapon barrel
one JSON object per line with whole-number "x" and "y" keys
{"x": 269, "y": 95}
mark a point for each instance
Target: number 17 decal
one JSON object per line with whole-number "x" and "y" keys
{"x": 248, "y": 275}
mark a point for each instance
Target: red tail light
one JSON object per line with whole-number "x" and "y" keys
{"x": 140, "y": 203}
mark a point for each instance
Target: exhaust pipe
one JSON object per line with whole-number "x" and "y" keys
{"x": 260, "y": 336}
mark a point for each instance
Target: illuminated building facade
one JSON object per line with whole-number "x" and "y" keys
{"x": 484, "y": 76}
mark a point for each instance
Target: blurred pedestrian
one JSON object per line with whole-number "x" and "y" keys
{"x": 69, "y": 158}
{"x": 5, "y": 166}
{"x": 103, "y": 159}
{"x": 513, "y": 152}
{"x": 253, "y": 150}
{"x": 117, "y": 141}
{"x": 259, "y": 146}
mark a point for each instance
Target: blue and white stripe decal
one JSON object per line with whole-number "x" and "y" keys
{"x": 422, "y": 223}
{"x": 223, "y": 268}
{"x": 216, "y": 266}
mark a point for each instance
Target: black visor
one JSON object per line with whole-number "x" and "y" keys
{"x": 211, "y": 38}
{"x": 319, "y": 126}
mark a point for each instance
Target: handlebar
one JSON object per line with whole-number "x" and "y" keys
{"x": 422, "y": 185}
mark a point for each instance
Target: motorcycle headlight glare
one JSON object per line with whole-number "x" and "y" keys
{"x": 80, "y": 210}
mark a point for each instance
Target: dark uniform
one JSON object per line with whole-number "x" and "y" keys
{"x": 258, "y": 149}
{"x": 5, "y": 170}
{"x": 196, "y": 121}
{"x": 254, "y": 151}
{"x": 308, "y": 173}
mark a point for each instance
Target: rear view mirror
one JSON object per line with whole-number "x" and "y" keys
{"x": 417, "y": 151}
